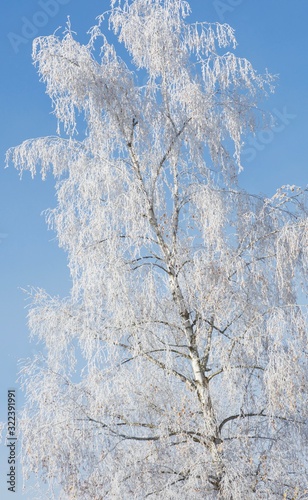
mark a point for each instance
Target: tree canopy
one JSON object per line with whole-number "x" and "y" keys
{"x": 177, "y": 367}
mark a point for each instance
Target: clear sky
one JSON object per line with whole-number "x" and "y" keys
{"x": 271, "y": 34}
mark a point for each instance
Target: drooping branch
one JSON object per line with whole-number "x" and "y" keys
{"x": 240, "y": 415}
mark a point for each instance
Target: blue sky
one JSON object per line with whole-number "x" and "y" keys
{"x": 271, "y": 35}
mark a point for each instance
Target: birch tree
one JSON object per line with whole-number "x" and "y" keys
{"x": 177, "y": 367}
